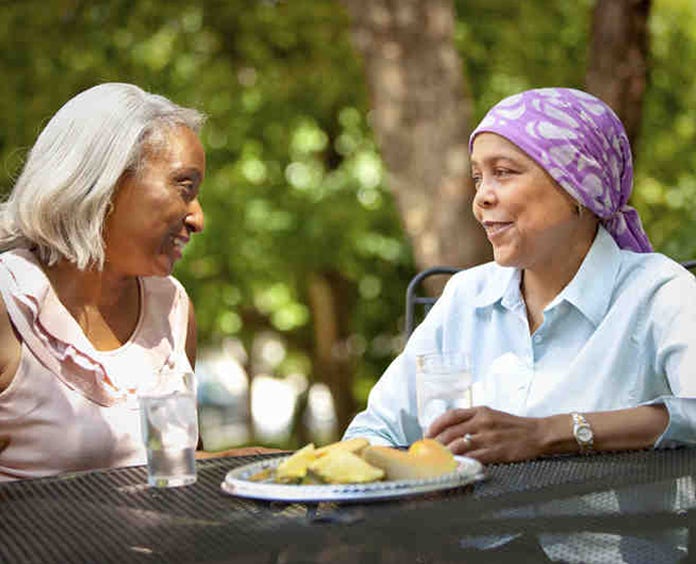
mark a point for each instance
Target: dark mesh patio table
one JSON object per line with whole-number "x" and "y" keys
{"x": 633, "y": 507}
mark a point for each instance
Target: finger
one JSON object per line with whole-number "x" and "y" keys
{"x": 464, "y": 444}
{"x": 454, "y": 433}
{"x": 449, "y": 419}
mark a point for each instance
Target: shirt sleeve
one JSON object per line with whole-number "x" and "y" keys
{"x": 674, "y": 333}
{"x": 389, "y": 418}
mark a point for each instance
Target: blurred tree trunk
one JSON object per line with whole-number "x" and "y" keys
{"x": 330, "y": 304}
{"x": 298, "y": 427}
{"x": 421, "y": 121}
{"x": 617, "y": 68}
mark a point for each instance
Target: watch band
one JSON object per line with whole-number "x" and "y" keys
{"x": 582, "y": 431}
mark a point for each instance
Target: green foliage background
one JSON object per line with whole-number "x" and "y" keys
{"x": 295, "y": 183}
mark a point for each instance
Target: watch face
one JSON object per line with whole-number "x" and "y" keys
{"x": 584, "y": 434}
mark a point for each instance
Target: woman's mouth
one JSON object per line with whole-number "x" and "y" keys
{"x": 496, "y": 228}
{"x": 178, "y": 244}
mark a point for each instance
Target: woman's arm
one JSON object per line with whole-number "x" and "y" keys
{"x": 241, "y": 451}
{"x": 10, "y": 354}
{"x": 10, "y": 348}
{"x": 496, "y": 436}
{"x": 623, "y": 429}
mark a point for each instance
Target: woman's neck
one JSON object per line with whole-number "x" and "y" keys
{"x": 91, "y": 287}
{"x": 542, "y": 283}
{"x": 106, "y": 306}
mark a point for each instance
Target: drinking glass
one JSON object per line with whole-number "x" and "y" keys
{"x": 169, "y": 425}
{"x": 443, "y": 382}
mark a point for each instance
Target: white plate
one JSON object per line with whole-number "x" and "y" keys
{"x": 237, "y": 483}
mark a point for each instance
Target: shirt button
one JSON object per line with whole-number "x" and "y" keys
{"x": 537, "y": 338}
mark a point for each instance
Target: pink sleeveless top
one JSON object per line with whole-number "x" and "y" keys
{"x": 69, "y": 406}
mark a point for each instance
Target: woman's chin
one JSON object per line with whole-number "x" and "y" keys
{"x": 163, "y": 266}
{"x": 504, "y": 258}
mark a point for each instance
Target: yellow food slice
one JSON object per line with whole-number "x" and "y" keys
{"x": 343, "y": 467}
{"x": 421, "y": 461}
{"x": 351, "y": 445}
{"x": 294, "y": 468}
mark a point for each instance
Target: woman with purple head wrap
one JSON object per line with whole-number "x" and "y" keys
{"x": 579, "y": 337}
{"x": 581, "y": 143}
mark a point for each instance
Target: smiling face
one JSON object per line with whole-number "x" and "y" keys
{"x": 156, "y": 208}
{"x": 530, "y": 221}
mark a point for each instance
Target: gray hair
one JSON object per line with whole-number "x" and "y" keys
{"x": 60, "y": 201}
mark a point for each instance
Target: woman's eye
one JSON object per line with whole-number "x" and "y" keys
{"x": 476, "y": 178}
{"x": 187, "y": 189}
{"x": 503, "y": 172}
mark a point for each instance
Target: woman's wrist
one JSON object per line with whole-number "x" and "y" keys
{"x": 557, "y": 434}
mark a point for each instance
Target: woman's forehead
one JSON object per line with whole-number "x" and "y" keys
{"x": 177, "y": 144}
{"x": 487, "y": 146}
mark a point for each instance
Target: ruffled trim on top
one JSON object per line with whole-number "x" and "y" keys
{"x": 58, "y": 341}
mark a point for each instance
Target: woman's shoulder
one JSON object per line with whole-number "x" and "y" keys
{"x": 663, "y": 285}
{"x": 652, "y": 268}
{"x": 23, "y": 266}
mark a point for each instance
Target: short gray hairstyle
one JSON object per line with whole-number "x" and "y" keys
{"x": 60, "y": 201}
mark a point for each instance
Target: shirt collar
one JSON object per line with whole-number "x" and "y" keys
{"x": 587, "y": 291}
{"x": 500, "y": 285}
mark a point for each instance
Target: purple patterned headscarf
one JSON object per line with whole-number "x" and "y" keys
{"x": 582, "y": 144}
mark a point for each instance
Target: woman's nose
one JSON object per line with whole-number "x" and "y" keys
{"x": 484, "y": 195}
{"x": 194, "y": 218}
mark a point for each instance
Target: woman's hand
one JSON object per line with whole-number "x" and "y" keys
{"x": 242, "y": 451}
{"x": 489, "y": 435}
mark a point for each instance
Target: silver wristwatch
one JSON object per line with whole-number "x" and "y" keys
{"x": 582, "y": 433}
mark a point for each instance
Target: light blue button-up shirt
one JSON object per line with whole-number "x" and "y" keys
{"x": 622, "y": 333}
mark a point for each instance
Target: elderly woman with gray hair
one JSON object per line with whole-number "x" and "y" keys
{"x": 90, "y": 314}
{"x": 580, "y": 337}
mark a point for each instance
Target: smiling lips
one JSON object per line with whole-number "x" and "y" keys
{"x": 178, "y": 244}
{"x": 495, "y": 228}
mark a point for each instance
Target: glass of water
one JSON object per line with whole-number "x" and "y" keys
{"x": 169, "y": 425}
{"x": 443, "y": 382}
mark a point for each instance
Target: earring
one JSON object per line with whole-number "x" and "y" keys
{"x": 579, "y": 208}
{"x": 109, "y": 209}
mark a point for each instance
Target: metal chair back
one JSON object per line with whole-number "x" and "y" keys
{"x": 690, "y": 265}
{"x": 413, "y": 300}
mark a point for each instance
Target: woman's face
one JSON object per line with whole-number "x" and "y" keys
{"x": 156, "y": 209}
{"x": 530, "y": 221}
